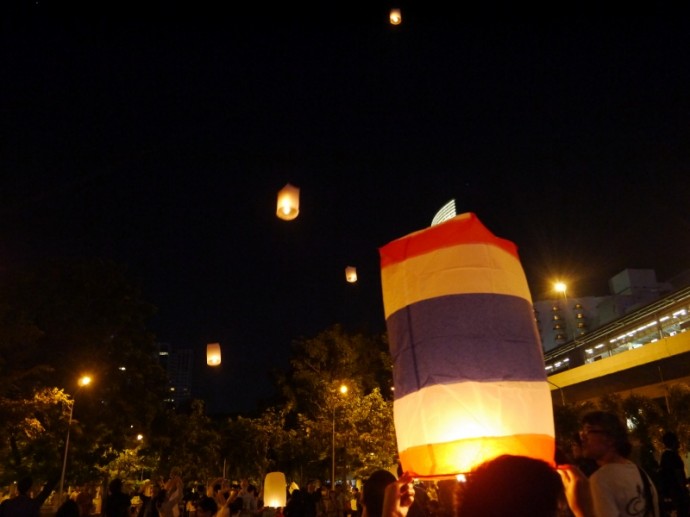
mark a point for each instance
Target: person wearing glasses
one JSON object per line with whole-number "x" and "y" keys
{"x": 619, "y": 487}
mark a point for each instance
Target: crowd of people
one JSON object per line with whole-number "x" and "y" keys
{"x": 608, "y": 485}
{"x": 596, "y": 478}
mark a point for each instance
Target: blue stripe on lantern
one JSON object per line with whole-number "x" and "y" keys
{"x": 467, "y": 337}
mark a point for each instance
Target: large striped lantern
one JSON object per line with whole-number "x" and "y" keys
{"x": 468, "y": 367}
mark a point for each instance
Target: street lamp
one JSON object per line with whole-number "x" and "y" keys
{"x": 140, "y": 439}
{"x": 343, "y": 390}
{"x": 561, "y": 288}
{"x": 83, "y": 381}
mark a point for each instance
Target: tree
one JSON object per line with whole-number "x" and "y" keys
{"x": 64, "y": 318}
{"x": 193, "y": 443}
{"x": 368, "y": 434}
{"x": 334, "y": 356}
{"x": 29, "y": 426}
{"x": 678, "y": 400}
{"x": 255, "y": 446}
{"x": 364, "y": 433}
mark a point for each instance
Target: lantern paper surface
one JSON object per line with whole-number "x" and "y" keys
{"x": 275, "y": 488}
{"x": 213, "y": 354}
{"x": 288, "y": 203}
{"x": 351, "y": 274}
{"x": 468, "y": 367}
{"x": 395, "y": 17}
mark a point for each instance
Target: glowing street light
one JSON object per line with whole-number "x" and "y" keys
{"x": 343, "y": 391}
{"x": 83, "y": 381}
{"x": 560, "y": 287}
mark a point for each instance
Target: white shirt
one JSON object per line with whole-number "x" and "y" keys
{"x": 618, "y": 491}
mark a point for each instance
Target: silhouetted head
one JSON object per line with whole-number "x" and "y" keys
{"x": 670, "y": 440}
{"x": 372, "y": 492}
{"x": 115, "y": 486}
{"x": 206, "y": 507}
{"x": 24, "y": 485}
{"x": 511, "y": 485}
{"x": 69, "y": 508}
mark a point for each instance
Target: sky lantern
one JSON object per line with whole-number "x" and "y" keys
{"x": 395, "y": 17}
{"x": 275, "y": 488}
{"x": 351, "y": 274}
{"x": 213, "y": 354}
{"x": 288, "y": 203}
{"x": 468, "y": 367}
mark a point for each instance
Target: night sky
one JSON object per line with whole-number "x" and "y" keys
{"x": 162, "y": 141}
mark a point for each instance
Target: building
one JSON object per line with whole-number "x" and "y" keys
{"x": 179, "y": 365}
{"x": 640, "y": 352}
{"x": 565, "y": 318}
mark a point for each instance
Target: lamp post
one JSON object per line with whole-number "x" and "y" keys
{"x": 140, "y": 439}
{"x": 343, "y": 390}
{"x": 83, "y": 381}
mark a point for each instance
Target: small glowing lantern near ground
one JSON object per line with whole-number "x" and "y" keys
{"x": 274, "y": 490}
{"x": 395, "y": 17}
{"x": 213, "y": 354}
{"x": 479, "y": 388}
{"x": 288, "y": 203}
{"x": 351, "y": 274}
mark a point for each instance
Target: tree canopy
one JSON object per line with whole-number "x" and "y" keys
{"x": 60, "y": 320}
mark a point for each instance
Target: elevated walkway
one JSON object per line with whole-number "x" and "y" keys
{"x": 646, "y": 370}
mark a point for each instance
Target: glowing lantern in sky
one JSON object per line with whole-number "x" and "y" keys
{"x": 213, "y": 354}
{"x": 351, "y": 274}
{"x": 288, "y": 203}
{"x": 275, "y": 488}
{"x": 468, "y": 365}
{"x": 395, "y": 17}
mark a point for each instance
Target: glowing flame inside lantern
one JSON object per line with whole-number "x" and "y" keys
{"x": 213, "y": 354}
{"x": 395, "y": 17}
{"x": 288, "y": 203}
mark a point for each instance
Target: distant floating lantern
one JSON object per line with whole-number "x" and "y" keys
{"x": 213, "y": 354}
{"x": 395, "y": 17}
{"x": 275, "y": 488}
{"x": 467, "y": 356}
{"x": 351, "y": 274}
{"x": 288, "y": 203}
